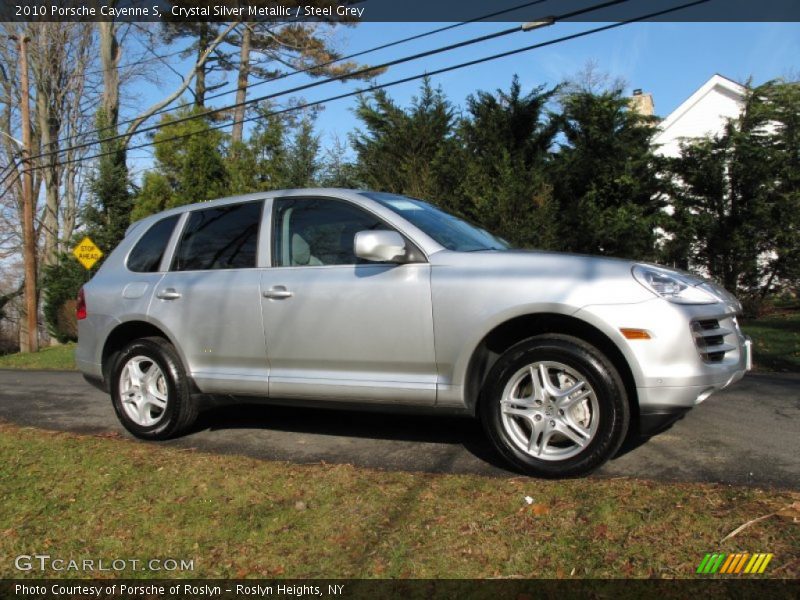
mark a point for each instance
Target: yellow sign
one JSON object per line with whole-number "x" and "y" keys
{"x": 87, "y": 253}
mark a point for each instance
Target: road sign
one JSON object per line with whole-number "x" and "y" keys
{"x": 87, "y": 253}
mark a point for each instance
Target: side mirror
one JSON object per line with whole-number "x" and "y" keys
{"x": 380, "y": 246}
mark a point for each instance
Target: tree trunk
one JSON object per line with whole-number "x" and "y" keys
{"x": 241, "y": 85}
{"x": 200, "y": 81}
{"x": 70, "y": 206}
{"x": 29, "y": 235}
{"x": 110, "y": 53}
{"x": 49, "y": 128}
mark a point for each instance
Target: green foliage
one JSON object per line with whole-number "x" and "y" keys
{"x": 108, "y": 214}
{"x": 154, "y": 196}
{"x": 336, "y": 169}
{"x": 189, "y": 169}
{"x": 737, "y": 197}
{"x": 61, "y": 283}
{"x": 408, "y": 151}
{"x": 260, "y": 163}
{"x": 302, "y": 164}
{"x": 604, "y": 176}
{"x": 505, "y": 141}
{"x": 279, "y": 153}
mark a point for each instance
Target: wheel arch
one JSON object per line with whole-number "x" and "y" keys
{"x": 516, "y": 329}
{"x": 124, "y": 333}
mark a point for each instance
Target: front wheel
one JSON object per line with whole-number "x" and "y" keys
{"x": 554, "y": 406}
{"x": 150, "y": 390}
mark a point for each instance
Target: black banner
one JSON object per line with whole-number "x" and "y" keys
{"x": 350, "y": 589}
{"x": 394, "y": 11}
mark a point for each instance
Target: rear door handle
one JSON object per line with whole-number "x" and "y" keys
{"x": 279, "y": 292}
{"x": 168, "y": 294}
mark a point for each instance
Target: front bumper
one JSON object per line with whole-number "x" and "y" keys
{"x": 672, "y": 371}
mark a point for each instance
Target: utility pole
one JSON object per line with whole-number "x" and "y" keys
{"x": 28, "y": 233}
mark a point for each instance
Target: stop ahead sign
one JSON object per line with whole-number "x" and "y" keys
{"x": 87, "y": 252}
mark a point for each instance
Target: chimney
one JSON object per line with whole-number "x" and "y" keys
{"x": 642, "y": 103}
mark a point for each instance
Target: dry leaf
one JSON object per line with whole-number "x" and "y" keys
{"x": 540, "y": 509}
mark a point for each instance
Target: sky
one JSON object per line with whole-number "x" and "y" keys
{"x": 669, "y": 60}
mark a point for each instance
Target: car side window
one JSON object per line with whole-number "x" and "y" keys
{"x": 317, "y": 231}
{"x": 149, "y": 250}
{"x": 224, "y": 237}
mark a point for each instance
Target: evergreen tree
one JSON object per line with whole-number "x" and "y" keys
{"x": 736, "y": 197}
{"x": 605, "y": 183}
{"x": 410, "y": 151}
{"x": 108, "y": 214}
{"x": 506, "y": 142}
{"x": 61, "y": 284}
{"x": 336, "y": 169}
{"x": 260, "y": 163}
{"x": 189, "y": 169}
{"x": 302, "y": 162}
{"x": 154, "y": 196}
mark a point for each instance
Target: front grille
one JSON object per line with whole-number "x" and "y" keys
{"x": 709, "y": 337}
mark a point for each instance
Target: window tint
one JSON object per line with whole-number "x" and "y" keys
{"x": 308, "y": 232}
{"x": 220, "y": 238}
{"x": 149, "y": 250}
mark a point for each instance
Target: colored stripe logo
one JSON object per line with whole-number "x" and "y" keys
{"x": 734, "y": 564}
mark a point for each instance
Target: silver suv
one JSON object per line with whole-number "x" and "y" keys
{"x": 353, "y": 297}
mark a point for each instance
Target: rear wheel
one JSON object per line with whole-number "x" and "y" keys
{"x": 554, "y": 406}
{"x": 150, "y": 390}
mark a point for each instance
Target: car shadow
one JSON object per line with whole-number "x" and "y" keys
{"x": 409, "y": 427}
{"x": 425, "y": 428}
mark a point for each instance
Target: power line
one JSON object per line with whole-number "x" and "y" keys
{"x": 295, "y": 89}
{"x": 329, "y": 63}
{"x": 419, "y": 55}
{"x": 403, "y": 80}
{"x": 367, "y": 51}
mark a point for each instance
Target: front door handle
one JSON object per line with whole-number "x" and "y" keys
{"x": 168, "y": 294}
{"x": 279, "y": 292}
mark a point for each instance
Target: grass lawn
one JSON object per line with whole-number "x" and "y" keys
{"x": 776, "y": 341}
{"x": 53, "y": 357}
{"x": 70, "y": 495}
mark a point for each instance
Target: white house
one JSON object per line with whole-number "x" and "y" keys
{"x": 704, "y": 112}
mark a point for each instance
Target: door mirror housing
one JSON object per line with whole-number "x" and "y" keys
{"x": 380, "y": 246}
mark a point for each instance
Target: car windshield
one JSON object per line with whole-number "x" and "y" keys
{"x": 448, "y": 230}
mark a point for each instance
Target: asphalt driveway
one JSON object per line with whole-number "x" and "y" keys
{"x": 748, "y": 434}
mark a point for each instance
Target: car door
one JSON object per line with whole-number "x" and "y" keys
{"x": 337, "y": 327}
{"x": 209, "y": 300}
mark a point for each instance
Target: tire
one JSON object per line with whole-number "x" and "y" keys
{"x": 569, "y": 424}
{"x": 151, "y": 404}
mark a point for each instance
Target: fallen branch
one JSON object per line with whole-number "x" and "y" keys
{"x": 741, "y": 528}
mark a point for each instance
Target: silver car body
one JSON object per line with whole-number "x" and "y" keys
{"x": 407, "y": 334}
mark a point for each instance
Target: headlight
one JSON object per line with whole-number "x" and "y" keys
{"x": 673, "y": 286}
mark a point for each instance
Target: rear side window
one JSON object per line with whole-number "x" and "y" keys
{"x": 147, "y": 253}
{"x": 220, "y": 238}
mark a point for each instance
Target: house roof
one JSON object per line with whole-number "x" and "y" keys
{"x": 717, "y": 83}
